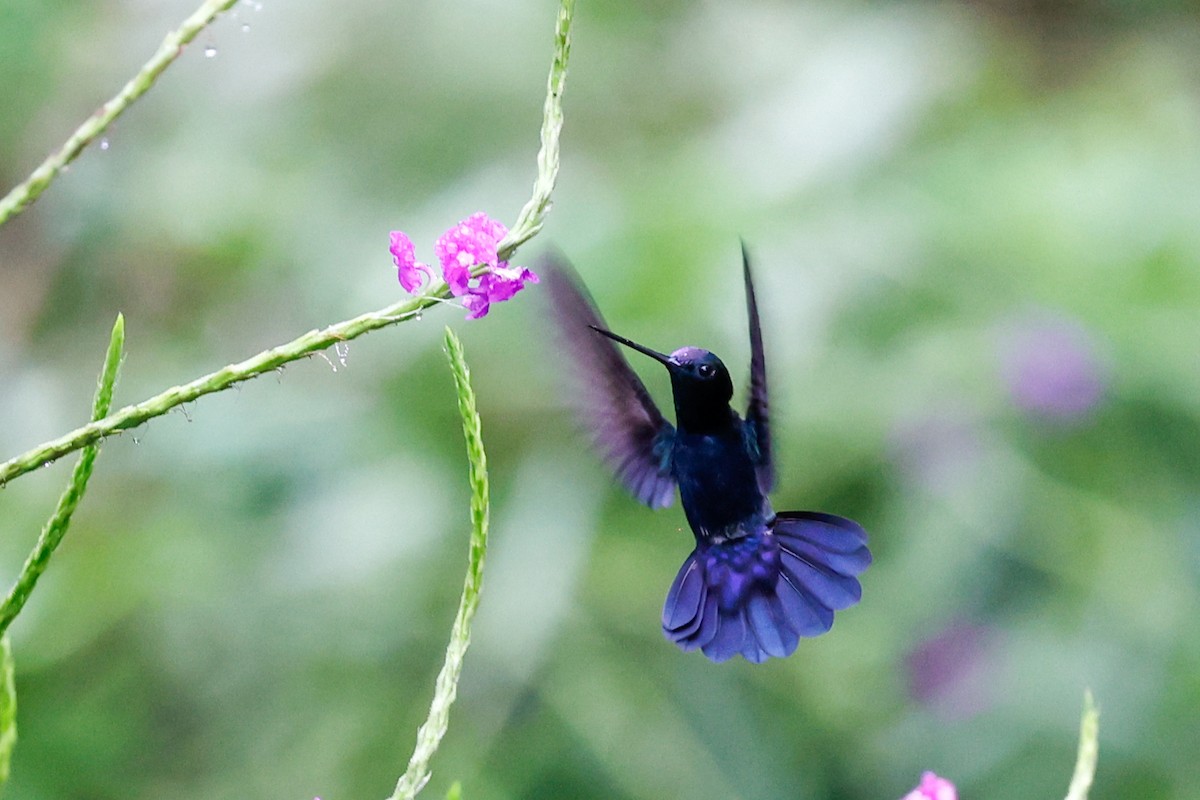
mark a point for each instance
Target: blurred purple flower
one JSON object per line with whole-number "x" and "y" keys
{"x": 939, "y": 450}
{"x": 932, "y": 787}
{"x": 948, "y": 670}
{"x": 1053, "y": 370}
{"x": 470, "y": 243}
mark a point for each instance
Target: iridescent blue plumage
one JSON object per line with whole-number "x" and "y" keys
{"x": 757, "y": 581}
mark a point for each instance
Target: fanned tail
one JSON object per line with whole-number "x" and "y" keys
{"x": 758, "y": 594}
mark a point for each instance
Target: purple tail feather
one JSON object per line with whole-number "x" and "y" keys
{"x": 758, "y": 594}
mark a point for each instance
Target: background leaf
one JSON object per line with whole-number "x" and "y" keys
{"x": 258, "y": 597}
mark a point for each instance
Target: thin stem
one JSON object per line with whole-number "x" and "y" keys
{"x": 446, "y": 688}
{"x": 60, "y": 520}
{"x": 1089, "y": 750}
{"x": 8, "y": 707}
{"x": 171, "y": 48}
{"x": 528, "y": 223}
{"x": 530, "y": 220}
{"x": 266, "y": 361}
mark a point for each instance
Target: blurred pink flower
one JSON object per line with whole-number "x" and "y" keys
{"x": 932, "y": 787}
{"x": 468, "y": 244}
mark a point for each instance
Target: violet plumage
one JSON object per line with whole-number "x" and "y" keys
{"x": 757, "y": 581}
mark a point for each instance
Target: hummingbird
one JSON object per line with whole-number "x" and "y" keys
{"x": 757, "y": 580}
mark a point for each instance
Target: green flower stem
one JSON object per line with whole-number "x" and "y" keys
{"x": 446, "y": 687}
{"x": 266, "y": 361}
{"x": 530, "y": 220}
{"x": 8, "y": 707}
{"x": 528, "y": 223}
{"x": 1089, "y": 750}
{"x": 56, "y": 526}
{"x": 171, "y": 48}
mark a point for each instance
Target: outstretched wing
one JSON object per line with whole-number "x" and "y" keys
{"x": 627, "y": 428}
{"x": 758, "y": 426}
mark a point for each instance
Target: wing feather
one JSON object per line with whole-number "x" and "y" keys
{"x": 626, "y": 426}
{"x": 757, "y": 418}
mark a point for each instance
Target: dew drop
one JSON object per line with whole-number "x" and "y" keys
{"x": 103, "y": 142}
{"x": 210, "y": 51}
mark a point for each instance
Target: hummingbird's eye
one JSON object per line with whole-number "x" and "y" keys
{"x": 707, "y": 370}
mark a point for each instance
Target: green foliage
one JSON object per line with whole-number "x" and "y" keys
{"x": 263, "y": 586}
{"x": 171, "y": 48}
{"x": 8, "y": 707}
{"x": 56, "y": 527}
{"x": 446, "y": 689}
{"x": 528, "y": 223}
{"x": 533, "y": 214}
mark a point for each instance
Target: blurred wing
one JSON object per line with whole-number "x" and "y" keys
{"x": 757, "y": 423}
{"x": 628, "y": 429}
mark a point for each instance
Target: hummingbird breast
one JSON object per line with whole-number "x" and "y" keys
{"x": 718, "y": 485}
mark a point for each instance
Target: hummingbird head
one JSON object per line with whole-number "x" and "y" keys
{"x": 699, "y": 373}
{"x": 699, "y": 380}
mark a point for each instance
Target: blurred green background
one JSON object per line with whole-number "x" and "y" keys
{"x": 977, "y": 231}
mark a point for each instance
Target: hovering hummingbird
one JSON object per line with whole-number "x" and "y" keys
{"x": 757, "y": 580}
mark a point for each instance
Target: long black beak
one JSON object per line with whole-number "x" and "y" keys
{"x": 657, "y": 356}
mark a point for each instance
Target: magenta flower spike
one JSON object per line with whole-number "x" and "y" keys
{"x": 933, "y": 787}
{"x": 413, "y": 274}
{"x": 473, "y": 241}
{"x": 470, "y": 243}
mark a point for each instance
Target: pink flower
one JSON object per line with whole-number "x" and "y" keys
{"x": 468, "y": 244}
{"x": 412, "y": 273}
{"x": 932, "y": 787}
{"x": 495, "y": 287}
